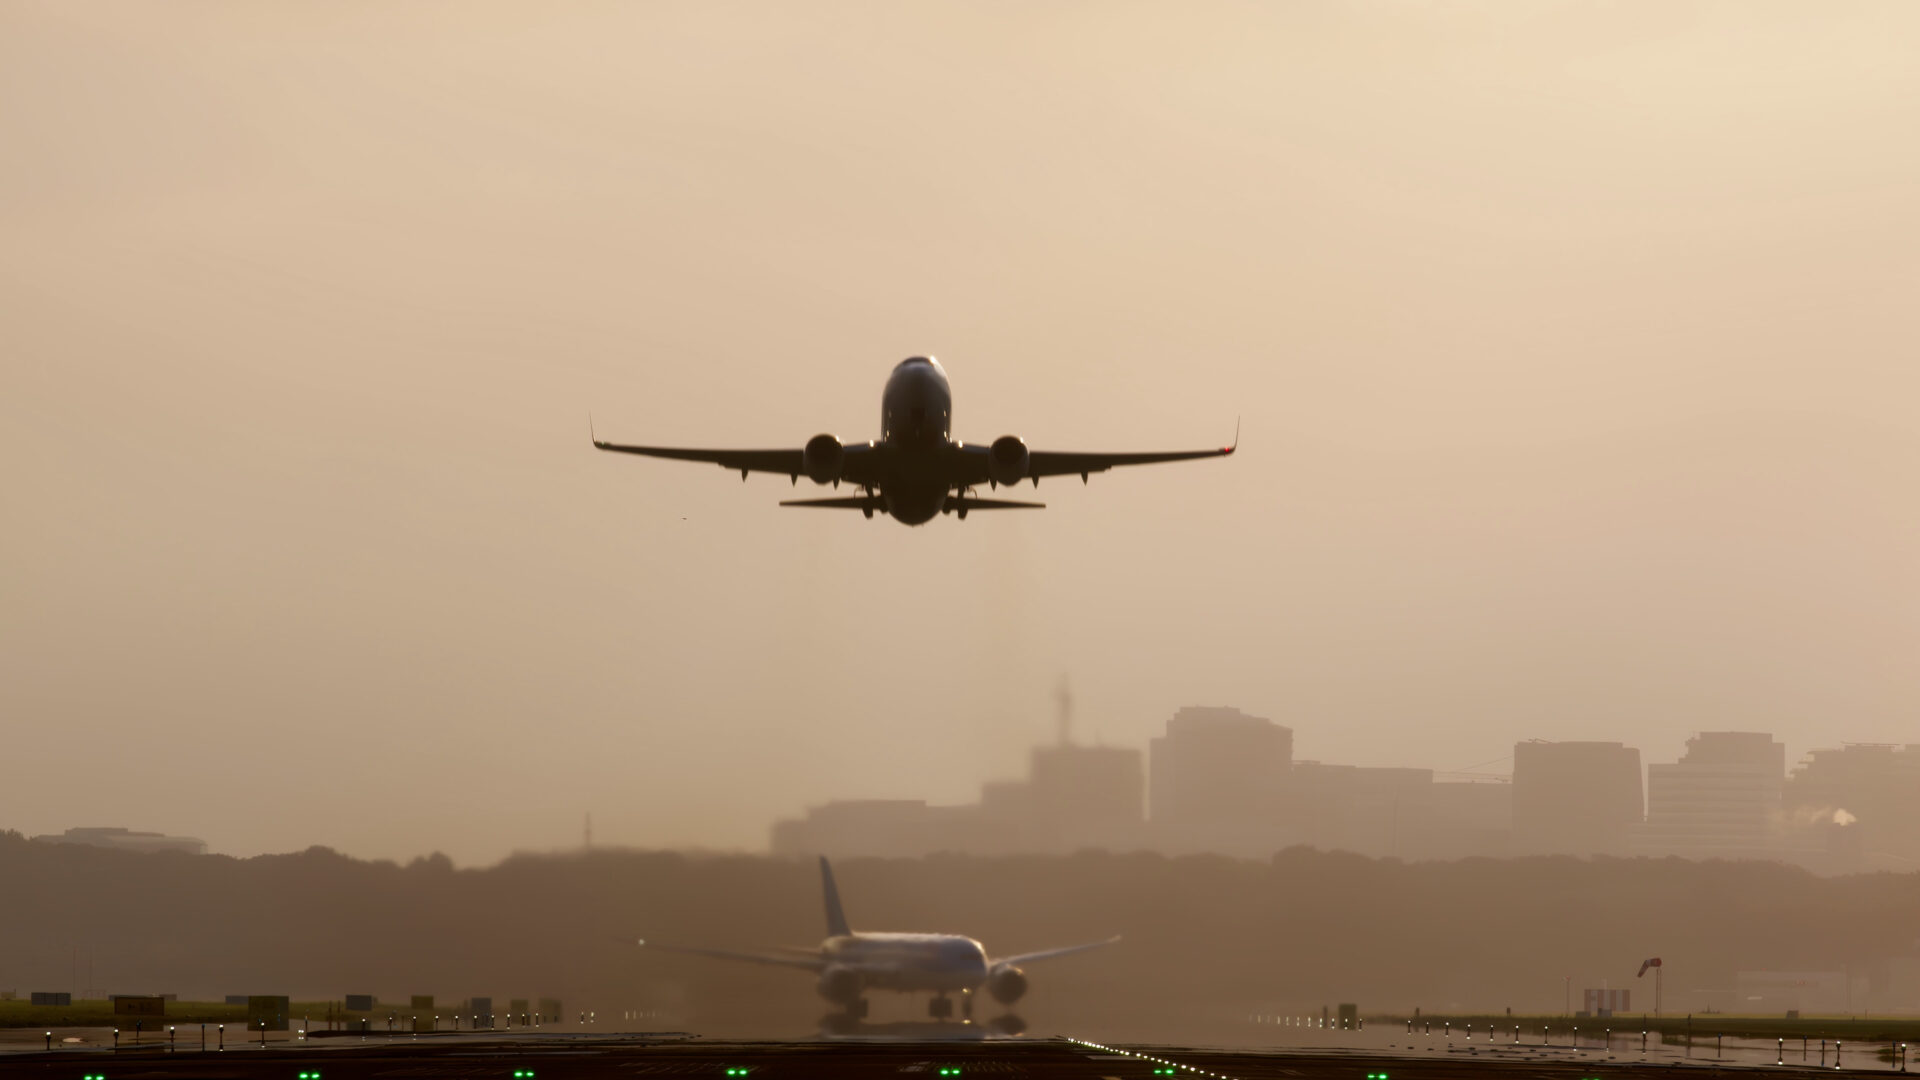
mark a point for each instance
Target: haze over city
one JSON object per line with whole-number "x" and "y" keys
{"x": 1573, "y": 348}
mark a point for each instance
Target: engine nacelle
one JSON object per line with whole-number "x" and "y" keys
{"x": 823, "y": 458}
{"x": 1007, "y": 460}
{"x": 1007, "y": 984}
{"x": 840, "y": 986}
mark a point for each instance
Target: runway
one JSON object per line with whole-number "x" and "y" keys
{"x": 596, "y": 1057}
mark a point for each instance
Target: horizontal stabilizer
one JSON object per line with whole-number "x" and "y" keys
{"x": 973, "y": 504}
{"x": 853, "y": 503}
{"x": 857, "y": 502}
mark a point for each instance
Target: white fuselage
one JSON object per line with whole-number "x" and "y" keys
{"x": 940, "y": 963}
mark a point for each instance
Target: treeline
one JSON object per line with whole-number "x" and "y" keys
{"x": 1206, "y": 939}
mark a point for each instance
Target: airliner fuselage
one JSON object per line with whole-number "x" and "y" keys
{"x": 936, "y": 963}
{"x": 916, "y": 441}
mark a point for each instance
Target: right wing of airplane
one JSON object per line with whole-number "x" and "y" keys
{"x": 975, "y": 464}
{"x": 1067, "y": 463}
{"x": 1048, "y": 954}
{"x": 795, "y": 957}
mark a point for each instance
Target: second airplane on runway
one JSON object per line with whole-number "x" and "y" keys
{"x": 915, "y": 471}
{"x": 848, "y": 964}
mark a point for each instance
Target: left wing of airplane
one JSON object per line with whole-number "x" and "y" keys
{"x": 809, "y": 959}
{"x": 1048, "y": 954}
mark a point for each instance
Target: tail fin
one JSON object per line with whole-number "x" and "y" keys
{"x": 836, "y": 919}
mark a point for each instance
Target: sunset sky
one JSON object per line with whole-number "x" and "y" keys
{"x": 1576, "y": 350}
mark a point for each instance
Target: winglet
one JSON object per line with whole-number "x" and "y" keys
{"x": 836, "y": 918}
{"x": 1236, "y": 438}
{"x": 591, "y": 437}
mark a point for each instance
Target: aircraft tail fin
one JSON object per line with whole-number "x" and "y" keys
{"x": 836, "y": 918}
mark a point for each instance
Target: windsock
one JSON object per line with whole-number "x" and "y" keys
{"x": 1645, "y": 964}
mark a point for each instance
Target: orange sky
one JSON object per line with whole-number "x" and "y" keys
{"x": 1575, "y": 346}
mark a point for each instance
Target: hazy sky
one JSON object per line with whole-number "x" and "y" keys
{"x": 1577, "y": 347}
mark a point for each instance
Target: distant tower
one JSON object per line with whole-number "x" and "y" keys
{"x": 587, "y": 843}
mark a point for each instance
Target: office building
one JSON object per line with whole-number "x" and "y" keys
{"x": 1575, "y": 798}
{"x": 1721, "y": 800}
{"x": 119, "y": 839}
{"x": 1864, "y": 799}
{"x": 1217, "y": 781}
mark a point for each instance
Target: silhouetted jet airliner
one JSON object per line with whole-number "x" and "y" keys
{"x": 916, "y": 470}
{"x": 848, "y": 964}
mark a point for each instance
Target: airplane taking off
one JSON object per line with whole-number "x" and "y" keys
{"x": 916, "y": 471}
{"x": 848, "y": 964}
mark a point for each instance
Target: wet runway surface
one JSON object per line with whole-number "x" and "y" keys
{"x": 577, "y": 1057}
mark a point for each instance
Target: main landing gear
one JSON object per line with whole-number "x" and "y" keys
{"x": 941, "y": 1007}
{"x": 857, "y": 1009}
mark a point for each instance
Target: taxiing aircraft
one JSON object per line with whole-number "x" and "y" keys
{"x": 848, "y": 964}
{"x": 915, "y": 471}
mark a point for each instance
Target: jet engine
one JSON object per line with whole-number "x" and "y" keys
{"x": 839, "y": 985}
{"x": 1007, "y": 460}
{"x": 1007, "y": 984}
{"x": 823, "y": 458}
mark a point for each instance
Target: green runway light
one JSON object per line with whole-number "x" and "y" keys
{"x": 523, "y": 1074}
{"x": 742, "y": 1071}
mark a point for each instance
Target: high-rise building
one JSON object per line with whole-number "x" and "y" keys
{"x": 1087, "y": 796}
{"x": 1217, "y": 780}
{"x": 1575, "y": 798}
{"x": 1075, "y": 797}
{"x": 1866, "y": 797}
{"x": 1372, "y": 811}
{"x": 1721, "y": 800}
{"x": 1466, "y": 819}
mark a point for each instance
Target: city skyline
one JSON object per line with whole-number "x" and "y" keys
{"x": 1222, "y": 781}
{"x": 1006, "y": 796}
